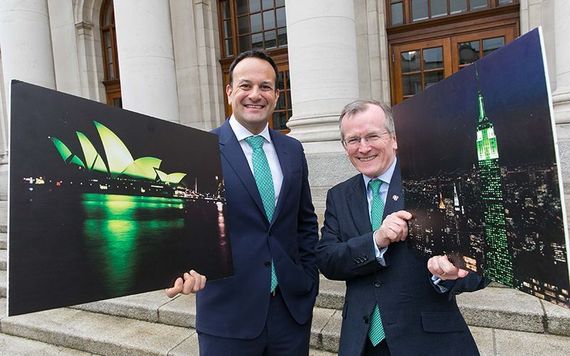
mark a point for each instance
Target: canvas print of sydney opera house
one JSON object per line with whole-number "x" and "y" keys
{"x": 481, "y": 174}
{"x": 104, "y": 202}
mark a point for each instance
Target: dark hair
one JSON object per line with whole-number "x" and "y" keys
{"x": 361, "y": 105}
{"x": 253, "y": 54}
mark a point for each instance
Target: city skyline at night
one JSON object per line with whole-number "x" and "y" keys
{"x": 480, "y": 172}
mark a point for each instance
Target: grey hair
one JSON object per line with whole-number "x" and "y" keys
{"x": 362, "y": 105}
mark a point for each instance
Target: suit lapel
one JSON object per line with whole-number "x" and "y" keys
{"x": 394, "y": 199}
{"x": 284, "y": 157}
{"x": 358, "y": 205}
{"x": 233, "y": 154}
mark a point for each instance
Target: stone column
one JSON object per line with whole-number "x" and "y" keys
{"x": 146, "y": 58}
{"x": 26, "y": 51}
{"x": 561, "y": 89}
{"x": 26, "y": 43}
{"x": 323, "y": 66}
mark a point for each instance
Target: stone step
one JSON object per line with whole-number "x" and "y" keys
{"x": 101, "y": 333}
{"x": 107, "y": 334}
{"x": 19, "y": 346}
{"x": 493, "y": 307}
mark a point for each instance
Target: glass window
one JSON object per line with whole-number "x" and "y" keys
{"x": 430, "y": 78}
{"x": 504, "y": 2}
{"x": 242, "y": 8}
{"x": 433, "y": 58}
{"x": 256, "y": 25}
{"x": 243, "y": 24}
{"x": 410, "y": 61}
{"x": 468, "y": 52}
{"x": 438, "y": 8}
{"x": 267, "y": 4}
{"x": 257, "y": 41}
{"x": 397, "y": 13}
{"x": 270, "y": 39}
{"x": 412, "y": 84}
{"x": 478, "y": 4}
{"x": 457, "y": 6}
{"x": 254, "y": 5}
{"x": 491, "y": 44}
{"x": 281, "y": 19}
{"x": 419, "y": 10}
{"x": 269, "y": 19}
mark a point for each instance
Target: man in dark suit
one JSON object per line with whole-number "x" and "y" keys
{"x": 396, "y": 303}
{"x": 266, "y": 307}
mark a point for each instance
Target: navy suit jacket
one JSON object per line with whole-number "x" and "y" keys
{"x": 417, "y": 319}
{"x": 237, "y": 307}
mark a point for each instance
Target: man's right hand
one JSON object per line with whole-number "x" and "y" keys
{"x": 192, "y": 283}
{"x": 393, "y": 229}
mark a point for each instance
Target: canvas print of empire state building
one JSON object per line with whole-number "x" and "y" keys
{"x": 481, "y": 174}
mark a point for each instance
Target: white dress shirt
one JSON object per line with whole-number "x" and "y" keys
{"x": 241, "y": 134}
{"x": 386, "y": 178}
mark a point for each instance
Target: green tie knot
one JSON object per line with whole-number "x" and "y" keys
{"x": 256, "y": 142}
{"x": 374, "y": 185}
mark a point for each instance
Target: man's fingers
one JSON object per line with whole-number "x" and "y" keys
{"x": 177, "y": 288}
{"x": 189, "y": 282}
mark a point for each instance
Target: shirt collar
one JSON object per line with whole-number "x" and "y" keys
{"x": 385, "y": 177}
{"x": 242, "y": 133}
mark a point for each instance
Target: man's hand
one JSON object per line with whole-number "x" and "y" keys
{"x": 441, "y": 267}
{"x": 192, "y": 283}
{"x": 393, "y": 229}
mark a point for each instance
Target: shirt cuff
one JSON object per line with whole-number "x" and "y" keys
{"x": 435, "y": 281}
{"x": 379, "y": 253}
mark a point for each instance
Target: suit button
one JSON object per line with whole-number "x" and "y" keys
{"x": 377, "y": 284}
{"x": 267, "y": 263}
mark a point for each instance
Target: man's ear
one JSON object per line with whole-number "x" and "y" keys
{"x": 228, "y": 91}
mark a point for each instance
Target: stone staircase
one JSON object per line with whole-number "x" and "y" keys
{"x": 503, "y": 322}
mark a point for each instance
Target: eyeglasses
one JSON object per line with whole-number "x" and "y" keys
{"x": 353, "y": 142}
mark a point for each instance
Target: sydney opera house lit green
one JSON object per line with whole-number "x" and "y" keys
{"x": 119, "y": 159}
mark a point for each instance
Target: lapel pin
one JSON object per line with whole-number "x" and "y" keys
{"x": 395, "y": 197}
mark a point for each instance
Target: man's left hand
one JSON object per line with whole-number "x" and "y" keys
{"x": 441, "y": 267}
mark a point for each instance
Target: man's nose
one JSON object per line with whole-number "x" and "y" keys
{"x": 255, "y": 93}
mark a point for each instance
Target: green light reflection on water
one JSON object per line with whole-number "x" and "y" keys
{"x": 116, "y": 233}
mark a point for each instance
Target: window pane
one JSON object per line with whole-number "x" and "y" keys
{"x": 267, "y": 4}
{"x": 419, "y": 10}
{"x": 279, "y": 3}
{"x": 282, "y": 37}
{"x": 229, "y": 47}
{"x": 243, "y": 24}
{"x": 478, "y": 4}
{"x": 433, "y": 58}
{"x": 468, "y": 52}
{"x": 280, "y": 102}
{"x": 491, "y": 44}
{"x": 397, "y": 14}
{"x": 281, "y": 19}
{"x": 257, "y": 41}
{"x": 244, "y": 43}
{"x": 279, "y": 120}
{"x": 410, "y": 61}
{"x": 242, "y": 8}
{"x": 256, "y": 23}
{"x": 254, "y": 5}
{"x": 457, "y": 6}
{"x": 227, "y": 28}
{"x": 430, "y": 78}
{"x": 412, "y": 84}
{"x": 280, "y": 82}
{"x": 438, "y": 8}
{"x": 504, "y": 2}
{"x": 270, "y": 39}
{"x": 225, "y": 9}
{"x": 268, "y": 20}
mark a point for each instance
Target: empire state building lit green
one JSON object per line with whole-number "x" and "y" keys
{"x": 498, "y": 260}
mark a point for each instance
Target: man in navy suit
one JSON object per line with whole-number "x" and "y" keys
{"x": 396, "y": 302}
{"x": 266, "y": 307}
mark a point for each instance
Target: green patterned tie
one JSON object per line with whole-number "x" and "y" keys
{"x": 376, "y": 331}
{"x": 264, "y": 182}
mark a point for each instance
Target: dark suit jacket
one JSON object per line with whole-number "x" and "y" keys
{"x": 237, "y": 306}
{"x": 417, "y": 319}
